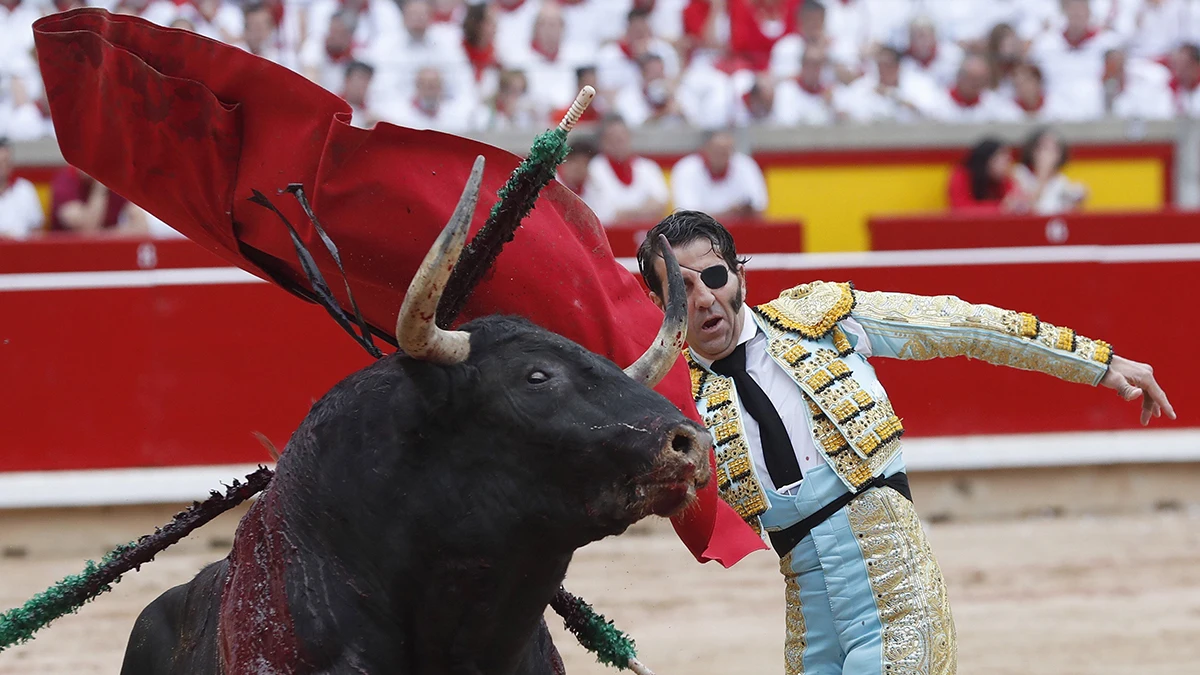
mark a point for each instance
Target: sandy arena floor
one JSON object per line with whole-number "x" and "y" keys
{"x": 1066, "y": 596}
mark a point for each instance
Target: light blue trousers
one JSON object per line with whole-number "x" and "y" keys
{"x": 865, "y": 595}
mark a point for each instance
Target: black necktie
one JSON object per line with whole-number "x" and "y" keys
{"x": 777, "y": 447}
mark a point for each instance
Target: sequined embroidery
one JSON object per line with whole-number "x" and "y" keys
{"x": 912, "y": 316}
{"x": 812, "y": 310}
{"x": 796, "y": 639}
{"x": 910, "y": 594}
{"x": 841, "y": 343}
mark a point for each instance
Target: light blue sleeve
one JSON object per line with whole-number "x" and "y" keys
{"x": 904, "y": 326}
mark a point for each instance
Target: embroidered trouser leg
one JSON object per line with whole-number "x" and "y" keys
{"x": 866, "y": 575}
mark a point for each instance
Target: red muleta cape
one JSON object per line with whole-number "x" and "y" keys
{"x": 187, "y": 127}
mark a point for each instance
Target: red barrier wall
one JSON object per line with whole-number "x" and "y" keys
{"x": 938, "y": 230}
{"x": 179, "y": 375}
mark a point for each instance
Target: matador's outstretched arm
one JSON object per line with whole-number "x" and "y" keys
{"x": 907, "y": 326}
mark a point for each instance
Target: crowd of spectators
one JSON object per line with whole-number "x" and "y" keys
{"x": 475, "y": 65}
{"x": 465, "y": 66}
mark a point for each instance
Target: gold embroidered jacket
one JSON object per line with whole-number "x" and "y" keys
{"x": 852, "y": 422}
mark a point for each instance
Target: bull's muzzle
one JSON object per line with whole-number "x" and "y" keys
{"x": 680, "y": 470}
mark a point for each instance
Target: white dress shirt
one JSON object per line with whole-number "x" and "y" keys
{"x": 785, "y": 394}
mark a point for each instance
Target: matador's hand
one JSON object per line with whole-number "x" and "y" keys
{"x": 1132, "y": 379}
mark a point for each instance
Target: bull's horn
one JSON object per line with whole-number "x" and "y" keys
{"x": 653, "y": 366}
{"x": 417, "y": 332}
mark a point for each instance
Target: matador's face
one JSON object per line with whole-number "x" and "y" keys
{"x": 715, "y": 318}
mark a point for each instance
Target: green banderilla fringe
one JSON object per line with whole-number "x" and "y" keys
{"x": 66, "y": 597}
{"x": 517, "y": 199}
{"x": 597, "y": 634}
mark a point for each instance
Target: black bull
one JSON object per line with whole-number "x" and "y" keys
{"x": 425, "y": 511}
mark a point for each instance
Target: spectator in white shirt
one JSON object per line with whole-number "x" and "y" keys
{"x": 327, "y": 66}
{"x": 651, "y": 99}
{"x": 1029, "y": 93}
{"x": 573, "y": 172}
{"x": 1004, "y": 53}
{"x": 510, "y": 108}
{"x": 1159, "y": 27}
{"x": 20, "y": 117}
{"x": 1073, "y": 60}
{"x": 969, "y": 100}
{"x": 890, "y": 93}
{"x": 623, "y": 187}
{"x": 550, "y": 62}
{"x": 21, "y": 213}
{"x": 587, "y": 24}
{"x": 1040, "y": 177}
{"x": 430, "y": 107}
{"x": 161, "y": 12}
{"x": 807, "y": 98}
{"x": 514, "y": 28}
{"x": 214, "y": 19}
{"x": 617, "y": 63}
{"x": 848, "y": 24}
{"x": 261, "y": 36}
{"x": 757, "y": 104}
{"x": 420, "y": 45}
{"x": 929, "y": 55}
{"x": 785, "y": 55}
{"x": 479, "y": 48}
{"x": 1136, "y": 88}
{"x": 357, "y": 94}
{"x": 376, "y": 26}
{"x": 724, "y": 183}
{"x": 1185, "y": 80}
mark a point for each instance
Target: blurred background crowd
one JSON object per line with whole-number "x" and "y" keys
{"x": 470, "y": 66}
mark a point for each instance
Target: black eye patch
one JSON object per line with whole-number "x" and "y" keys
{"x": 715, "y": 277}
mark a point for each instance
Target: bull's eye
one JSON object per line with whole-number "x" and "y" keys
{"x": 537, "y": 377}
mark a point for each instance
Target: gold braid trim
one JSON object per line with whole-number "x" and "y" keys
{"x": 908, "y": 314}
{"x": 812, "y": 309}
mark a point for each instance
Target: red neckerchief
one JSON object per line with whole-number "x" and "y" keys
{"x": 1076, "y": 44}
{"x": 627, "y": 50}
{"x": 924, "y": 62}
{"x": 1032, "y": 108}
{"x": 277, "y": 11}
{"x": 1177, "y": 86}
{"x": 622, "y": 170}
{"x": 695, "y": 17}
{"x": 963, "y": 102}
{"x": 339, "y": 57}
{"x": 509, "y": 6}
{"x": 817, "y": 91}
{"x": 713, "y": 174}
{"x": 549, "y": 56}
{"x": 481, "y": 58}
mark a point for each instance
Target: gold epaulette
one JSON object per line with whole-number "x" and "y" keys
{"x": 811, "y": 309}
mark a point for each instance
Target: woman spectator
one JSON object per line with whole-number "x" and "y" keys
{"x": 479, "y": 44}
{"x": 984, "y": 182}
{"x": 1039, "y": 175}
{"x": 510, "y": 107}
{"x": 1004, "y": 53}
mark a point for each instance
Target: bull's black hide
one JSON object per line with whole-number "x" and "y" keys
{"x": 423, "y": 515}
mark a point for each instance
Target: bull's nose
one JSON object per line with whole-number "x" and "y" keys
{"x": 689, "y": 441}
